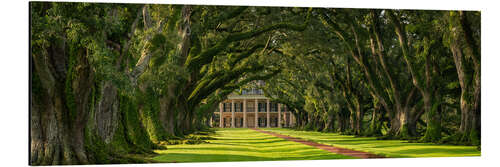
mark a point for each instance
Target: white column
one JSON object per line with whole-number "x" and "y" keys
{"x": 232, "y": 113}
{"x": 279, "y": 115}
{"x": 268, "y": 107}
{"x": 244, "y": 113}
{"x": 221, "y": 119}
{"x": 256, "y": 113}
{"x": 210, "y": 123}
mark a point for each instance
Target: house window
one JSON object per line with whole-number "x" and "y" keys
{"x": 274, "y": 107}
{"x": 238, "y": 107}
{"x": 250, "y": 107}
{"x": 227, "y": 107}
{"x": 262, "y": 107}
{"x": 262, "y": 122}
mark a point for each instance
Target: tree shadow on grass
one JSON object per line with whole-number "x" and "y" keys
{"x": 275, "y": 144}
{"x": 246, "y": 139}
{"x": 193, "y": 157}
{"x": 254, "y": 141}
{"x": 444, "y": 151}
{"x": 404, "y": 144}
{"x": 277, "y": 149}
{"x": 350, "y": 142}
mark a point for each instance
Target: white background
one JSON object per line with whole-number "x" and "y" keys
{"x": 14, "y": 70}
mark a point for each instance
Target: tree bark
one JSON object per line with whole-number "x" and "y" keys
{"x": 376, "y": 122}
{"x": 342, "y": 119}
{"x": 59, "y": 118}
{"x": 433, "y": 130}
{"x": 106, "y": 114}
{"x": 470, "y": 84}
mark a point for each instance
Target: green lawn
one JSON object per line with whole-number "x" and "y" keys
{"x": 243, "y": 145}
{"x": 390, "y": 148}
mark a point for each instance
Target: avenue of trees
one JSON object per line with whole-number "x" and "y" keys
{"x": 396, "y": 74}
{"x": 109, "y": 80}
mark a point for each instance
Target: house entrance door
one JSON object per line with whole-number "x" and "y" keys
{"x": 251, "y": 122}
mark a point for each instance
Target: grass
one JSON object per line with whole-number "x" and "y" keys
{"x": 243, "y": 145}
{"x": 390, "y": 148}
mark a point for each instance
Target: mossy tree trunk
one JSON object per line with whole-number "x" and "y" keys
{"x": 375, "y": 128}
{"x": 359, "y": 114}
{"x": 78, "y": 116}
{"x": 60, "y": 111}
{"x": 342, "y": 120}
{"x": 330, "y": 122}
{"x": 466, "y": 55}
{"x": 433, "y": 129}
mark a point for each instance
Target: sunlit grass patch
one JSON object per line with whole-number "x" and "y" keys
{"x": 243, "y": 145}
{"x": 390, "y": 148}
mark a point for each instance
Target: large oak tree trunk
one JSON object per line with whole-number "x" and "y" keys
{"x": 167, "y": 116}
{"x": 433, "y": 129}
{"x": 342, "y": 120}
{"x": 330, "y": 124}
{"x": 69, "y": 111}
{"x": 469, "y": 130}
{"x": 359, "y": 119}
{"x": 376, "y": 122}
{"x": 60, "y": 107}
{"x": 173, "y": 114}
{"x": 407, "y": 128}
{"x": 470, "y": 83}
{"x": 106, "y": 114}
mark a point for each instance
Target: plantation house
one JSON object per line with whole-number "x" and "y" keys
{"x": 251, "y": 109}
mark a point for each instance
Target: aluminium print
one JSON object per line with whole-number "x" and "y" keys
{"x": 159, "y": 83}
